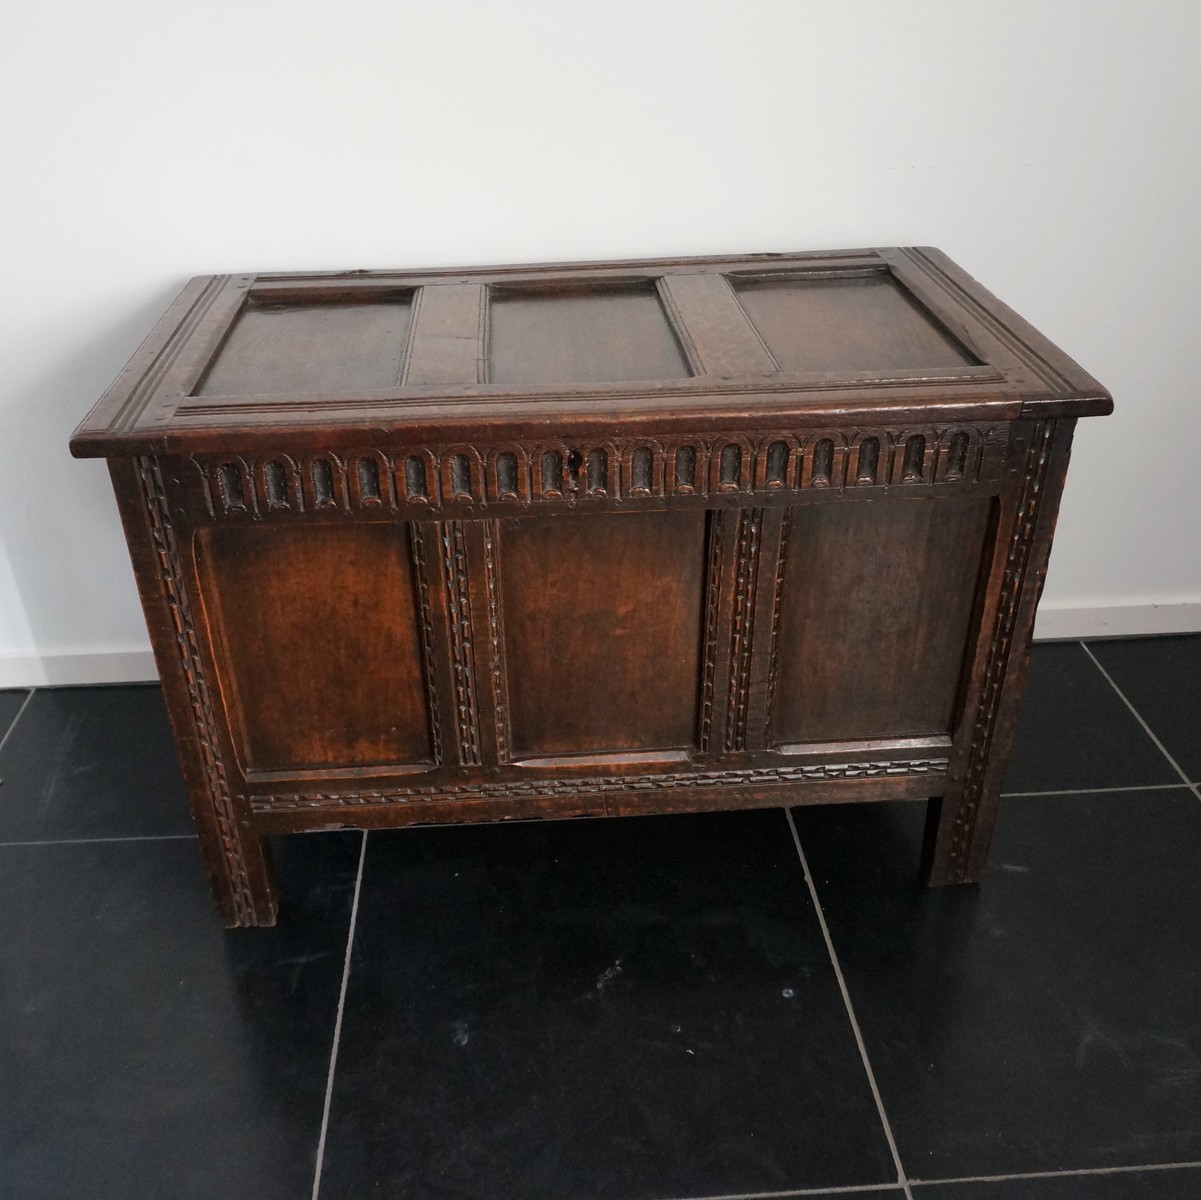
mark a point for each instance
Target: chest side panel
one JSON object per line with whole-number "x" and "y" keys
{"x": 875, "y": 617}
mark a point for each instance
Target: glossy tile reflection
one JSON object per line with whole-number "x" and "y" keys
{"x": 1047, "y": 1019}
{"x": 642, "y": 1009}
{"x": 639, "y": 1007}
{"x": 145, "y": 1051}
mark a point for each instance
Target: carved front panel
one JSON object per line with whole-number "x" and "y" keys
{"x": 601, "y": 637}
{"x": 318, "y": 633}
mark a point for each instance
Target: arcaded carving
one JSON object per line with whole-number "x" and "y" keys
{"x": 398, "y": 480}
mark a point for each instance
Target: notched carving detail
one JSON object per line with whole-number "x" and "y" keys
{"x": 425, "y": 617}
{"x": 187, "y": 642}
{"x": 496, "y": 625}
{"x": 605, "y": 785}
{"x": 1017, "y": 560}
{"x": 777, "y": 606}
{"x": 746, "y": 575}
{"x": 715, "y": 552}
{"x": 462, "y": 648}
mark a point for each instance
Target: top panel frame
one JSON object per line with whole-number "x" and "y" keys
{"x": 159, "y": 403}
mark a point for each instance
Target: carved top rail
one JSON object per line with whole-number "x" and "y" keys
{"x": 826, "y": 464}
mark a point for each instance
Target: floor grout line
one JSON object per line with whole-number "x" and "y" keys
{"x": 149, "y": 837}
{"x": 333, "y": 1053}
{"x": 853, "y": 1189}
{"x": 13, "y": 724}
{"x": 902, "y": 1182}
{"x": 1148, "y": 787}
{"x": 1070, "y": 1174}
{"x": 1139, "y": 718}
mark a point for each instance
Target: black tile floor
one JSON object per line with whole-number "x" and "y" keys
{"x": 728, "y": 1005}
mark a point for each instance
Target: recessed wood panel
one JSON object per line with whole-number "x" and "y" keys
{"x": 854, "y": 324}
{"x": 602, "y": 620}
{"x": 875, "y": 616}
{"x": 312, "y": 349}
{"x": 595, "y": 335}
{"x": 320, "y": 650}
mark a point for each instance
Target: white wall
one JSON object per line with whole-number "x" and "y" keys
{"x": 1050, "y": 146}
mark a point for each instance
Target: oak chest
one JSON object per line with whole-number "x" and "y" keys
{"x": 589, "y": 539}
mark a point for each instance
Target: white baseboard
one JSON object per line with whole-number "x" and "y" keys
{"x": 51, "y": 670}
{"x": 1126, "y": 620}
{"x": 1053, "y": 624}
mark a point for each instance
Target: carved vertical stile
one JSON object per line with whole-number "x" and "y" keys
{"x": 960, "y": 825}
{"x": 497, "y": 667}
{"x": 777, "y": 605}
{"x": 240, "y": 892}
{"x": 1017, "y": 559}
{"x": 746, "y": 572}
{"x": 714, "y": 572}
{"x": 425, "y": 616}
{"x": 482, "y": 544}
{"x": 462, "y": 646}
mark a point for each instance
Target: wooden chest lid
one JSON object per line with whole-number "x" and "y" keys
{"x": 809, "y": 339}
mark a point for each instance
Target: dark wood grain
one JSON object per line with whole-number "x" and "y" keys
{"x": 595, "y": 334}
{"x": 587, "y": 540}
{"x": 855, "y": 323}
{"x": 320, "y": 647}
{"x": 285, "y": 349}
{"x": 602, "y": 620}
{"x": 875, "y": 617}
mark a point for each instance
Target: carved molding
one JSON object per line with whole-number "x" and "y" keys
{"x": 742, "y": 633}
{"x": 462, "y": 646}
{"x": 606, "y": 784}
{"x": 500, "y": 687}
{"x": 187, "y": 640}
{"x": 278, "y": 485}
{"x": 715, "y": 552}
{"x": 777, "y": 607}
{"x": 143, "y": 394}
{"x": 1005, "y": 622}
{"x": 425, "y": 618}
